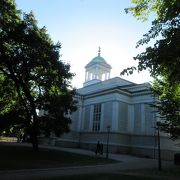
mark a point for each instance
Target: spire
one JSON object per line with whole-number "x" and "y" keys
{"x": 99, "y": 51}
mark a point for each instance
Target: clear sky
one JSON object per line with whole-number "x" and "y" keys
{"x": 81, "y": 26}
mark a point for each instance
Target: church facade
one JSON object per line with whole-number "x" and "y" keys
{"x": 117, "y": 113}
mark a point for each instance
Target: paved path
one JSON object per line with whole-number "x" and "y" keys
{"x": 127, "y": 163}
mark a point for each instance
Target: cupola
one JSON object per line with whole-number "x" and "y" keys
{"x": 97, "y": 70}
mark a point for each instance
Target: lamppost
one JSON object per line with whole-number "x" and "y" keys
{"x": 159, "y": 146}
{"x": 107, "y": 146}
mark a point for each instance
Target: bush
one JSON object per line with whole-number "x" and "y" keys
{"x": 177, "y": 159}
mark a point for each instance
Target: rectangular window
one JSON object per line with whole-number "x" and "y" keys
{"x": 96, "y": 117}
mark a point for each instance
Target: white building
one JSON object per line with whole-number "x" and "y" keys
{"x": 118, "y": 107}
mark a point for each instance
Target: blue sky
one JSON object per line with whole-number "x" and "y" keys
{"x": 81, "y": 26}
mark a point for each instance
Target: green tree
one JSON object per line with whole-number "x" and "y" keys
{"x": 30, "y": 61}
{"x": 163, "y": 58}
{"x": 168, "y": 104}
{"x": 9, "y": 113}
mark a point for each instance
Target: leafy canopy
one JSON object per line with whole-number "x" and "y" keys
{"x": 163, "y": 58}
{"x": 31, "y": 74}
{"x": 163, "y": 9}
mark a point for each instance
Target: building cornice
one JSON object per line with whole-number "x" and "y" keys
{"x": 118, "y": 90}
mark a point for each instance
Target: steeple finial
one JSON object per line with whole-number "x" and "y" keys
{"x": 99, "y": 51}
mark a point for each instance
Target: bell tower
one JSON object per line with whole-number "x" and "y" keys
{"x": 97, "y": 70}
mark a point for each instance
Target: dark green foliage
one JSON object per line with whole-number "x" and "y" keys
{"x": 164, "y": 56}
{"x": 31, "y": 71}
{"x": 177, "y": 159}
{"x": 168, "y": 105}
{"x": 163, "y": 9}
{"x": 58, "y": 107}
{"x": 163, "y": 59}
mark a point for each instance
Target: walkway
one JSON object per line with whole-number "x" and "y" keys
{"x": 127, "y": 163}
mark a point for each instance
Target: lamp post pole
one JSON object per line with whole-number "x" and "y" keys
{"x": 159, "y": 148}
{"x": 158, "y": 145}
{"x": 107, "y": 146}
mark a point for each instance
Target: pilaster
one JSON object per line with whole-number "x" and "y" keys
{"x": 143, "y": 128}
{"x": 91, "y": 117}
{"x": 130, "y": 118}
{"x": 115, "y": 118}
{"x": 102, "y": 117}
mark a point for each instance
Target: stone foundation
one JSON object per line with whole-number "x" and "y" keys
{"x": 138, "y": 145}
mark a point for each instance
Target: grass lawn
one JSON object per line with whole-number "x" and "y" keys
{"x": 165, "y": 172}
{"x": 102, "y": 177}
{"x": 22, "y": 157}
{"x": 147, "y": 174}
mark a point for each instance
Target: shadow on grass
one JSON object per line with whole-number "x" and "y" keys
{"x": 22, "y": 157}
{"x": 101, "y": 177}
{"x": 173, "y": 172}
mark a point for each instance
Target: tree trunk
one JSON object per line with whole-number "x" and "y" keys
{"x": 34, "y": 141}
{"x": 33, "y": 119}
{"x": 34, "y": 131}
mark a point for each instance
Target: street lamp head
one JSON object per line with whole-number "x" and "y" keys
{"x": 108, "y": 127}
{"x": 158, "y": 123}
